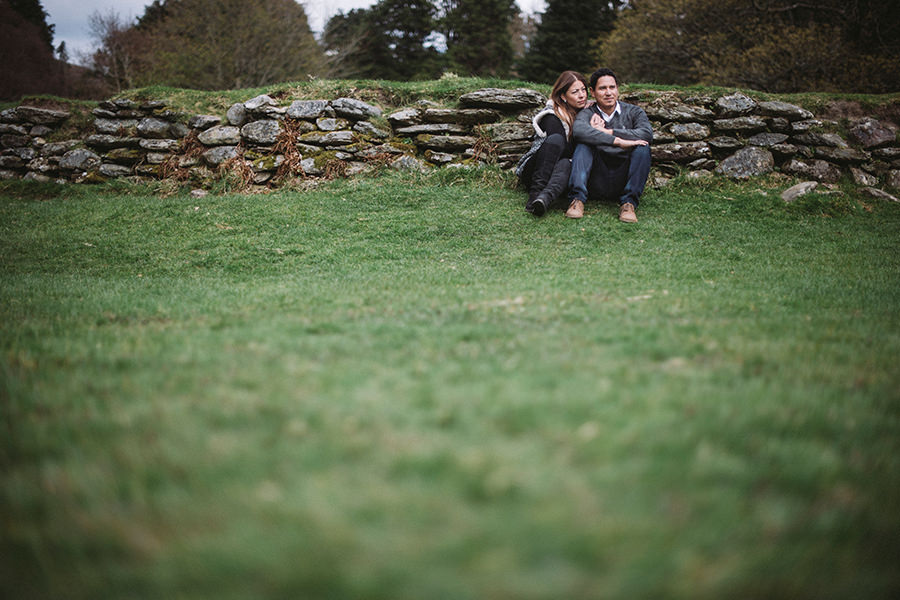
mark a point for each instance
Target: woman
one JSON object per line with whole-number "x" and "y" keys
{"x": 544, "y": 169}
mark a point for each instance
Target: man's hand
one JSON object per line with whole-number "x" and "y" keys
{"x": 622, "y": 143}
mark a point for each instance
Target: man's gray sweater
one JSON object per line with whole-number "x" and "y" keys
{"x": 630, "y": 123}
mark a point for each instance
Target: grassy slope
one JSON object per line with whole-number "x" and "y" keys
{"x": 406, "y": 387}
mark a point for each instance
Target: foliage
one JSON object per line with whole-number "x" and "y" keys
{"x": 208, "y": 44}
{"x": 154, "y": 14}
{"x": 122, "y": 55}
{"x": 770, "y": 45}
{"x": 33, "y": 12}
{"x": 386, "y": 41}
{"x": 348, "y": 41}
{"x": 477, "y": 34}
{"x": 27, "y": 64}
{"x": 408, "y": 25}
{"x": 522, "y": 31}
{"x": 787, "y": 58}
{"x": 406, "y": 387}
{"x": 562, "y": 38}
{"x": 232, "y": 43}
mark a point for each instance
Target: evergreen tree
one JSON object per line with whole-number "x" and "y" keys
{"x": 387, "y": 41}
{"x": 33, "y": 12}
{"x": 354, "y": 48}
{"x": 563, "y": 39}
{"x": 407, "y": 24}
{"x": 28, "y": 65}
{"x": 478, "y": 36}
{"x": 154, "y": 13}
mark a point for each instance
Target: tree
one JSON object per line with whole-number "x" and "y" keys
{"x": 62, "y": 53}
{"x": 521, "y": 32}
{"x": 351, "y": 42}
{"x": 121, "y": 51}
{"x": 562, "y": 38}
{"x": 153, "y": 14}
{"x": 220, "y": 44}
{"x": 478, "y": 35}
{"x": 387, "y": 41}
{"x": 34, "y": 13}
{"x": 26, "y": 45}
{"x": 407, "y": 25}
{"x": 770, "y": 45}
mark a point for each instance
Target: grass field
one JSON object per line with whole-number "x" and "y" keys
{"x": 405, "y": 387}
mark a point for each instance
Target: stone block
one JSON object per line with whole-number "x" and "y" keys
{"x": 114, "y": 170}
{"x": 330, "y": 138}
{"x": 219, "y": 154}
{"x": 432, "y": 129}
{"x": 446, "y": 143}
{"x": 264, "y": 132}
{"x": 42, "y": 116}
{"x": 160, "y": 145}
{"x": 79, "y": 159}
{"x": 668, "y": 111}
{"x": 791, "y": 112}
{"x": 843, "y": 156}
{"x": 747, "y": 162}
{"x": 680, "y": 152}
{"x": 202, "y": 122}
{"x": 870, "y": 133}
{"x": 220, "y": 135}
{"x": 355, "y": 110}
{"x": 503, "y": 99}
{"x": 734, "y": 105}
{"x": 508, "y": 132}
{"x": 820, "y": 139}
{"x": 819, "y": 170}
{"x": 688, "y": 132}
{"x": 405, "y": 118}
{"x": 744, "y": 125}
{"x": 104, "y": 141}
{"x": 307, "y": 109}
{"x": 462, "y": 116}
{"x": 767, "y": 140}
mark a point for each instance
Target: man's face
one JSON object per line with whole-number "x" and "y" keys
{"x": 606, "y": 93}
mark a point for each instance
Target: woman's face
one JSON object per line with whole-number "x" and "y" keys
{"x": 576, "y": 95}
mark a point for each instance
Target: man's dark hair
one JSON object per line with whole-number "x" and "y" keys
{"x": 602, "y": 73}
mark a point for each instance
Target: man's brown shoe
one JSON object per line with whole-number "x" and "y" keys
{"x": 626, "y": 213}
{"x": 576, "y": 209}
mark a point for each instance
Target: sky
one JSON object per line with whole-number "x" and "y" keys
{"x": 70, "y": 17}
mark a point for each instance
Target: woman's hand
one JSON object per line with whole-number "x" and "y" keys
{"x": 599, "y": 123}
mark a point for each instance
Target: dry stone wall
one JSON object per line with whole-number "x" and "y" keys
{"x": 731, "y": 135}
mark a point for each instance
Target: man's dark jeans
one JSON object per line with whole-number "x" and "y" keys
{"x": 609, "y": 178}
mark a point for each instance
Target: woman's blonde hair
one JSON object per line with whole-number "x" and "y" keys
{"x": 565, "y": 112}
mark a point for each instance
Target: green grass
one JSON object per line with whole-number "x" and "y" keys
{"x": 405, "y": 387}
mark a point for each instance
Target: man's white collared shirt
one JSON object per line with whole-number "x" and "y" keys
{"x": 609, "y": 118}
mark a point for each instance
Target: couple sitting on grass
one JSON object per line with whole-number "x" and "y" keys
{"x": 599, "y": 149}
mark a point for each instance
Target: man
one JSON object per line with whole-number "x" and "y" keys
{"x": 612, "y": 158}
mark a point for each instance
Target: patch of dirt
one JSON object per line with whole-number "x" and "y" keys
{"x": 888, "y": 113}
{"x": 48, "y": 103}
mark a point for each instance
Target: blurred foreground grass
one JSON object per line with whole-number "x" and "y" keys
{"x": 406, "y": 387}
